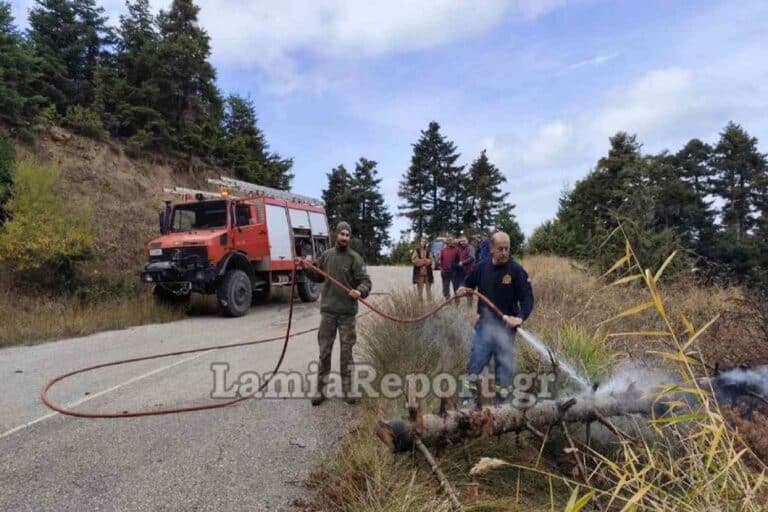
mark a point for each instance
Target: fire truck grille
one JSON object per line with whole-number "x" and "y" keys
{"x": 183, "y": 255}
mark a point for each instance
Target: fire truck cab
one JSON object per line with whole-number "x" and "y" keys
{"x": 237, "y": 243}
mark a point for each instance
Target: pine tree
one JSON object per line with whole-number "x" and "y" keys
{"x": 695, "y": 169}
{"x": 339, "y": 203}
{"x": 245, "y": 149}
{"x": 97, "y": 40}
{"x": 505, "y": 221}
{"x": 693, "y": 160}
{"x": 372, "y": 220}
{"x": 677, "y": 204}
{"x": 55, "y": 36}
{"x": 617, "y": 183}
{"x": 72, "y": 37}
{"x": 136, "y": 87}
{"x": 184, "y": 81}
{"x": 414, "y": 190}
{"x": 20, "y": 98}
{"x": 434, "y": 189}
{"x": 741, "y": 171}
{"x": 486, "y": 196}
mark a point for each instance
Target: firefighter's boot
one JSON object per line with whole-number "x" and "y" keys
{"x": 320, "y": 396}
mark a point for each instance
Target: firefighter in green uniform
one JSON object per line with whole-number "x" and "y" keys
{"x": 338, "y": 309}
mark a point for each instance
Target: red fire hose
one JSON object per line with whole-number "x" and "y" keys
{"x": 285, "y": 338}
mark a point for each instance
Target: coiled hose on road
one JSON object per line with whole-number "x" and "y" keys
{"x": 176, "y": 410}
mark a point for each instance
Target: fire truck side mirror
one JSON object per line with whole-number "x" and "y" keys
{"x": 163, "y": 229}
{"x": 165, "y": 219}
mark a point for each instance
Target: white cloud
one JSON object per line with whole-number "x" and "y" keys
{"x": 591, "y": 62}
{"x": 271, "y": 37}
{"x": 654, "y": 105}
{"x": 268, "y": 37}
{"x": 244, "y": 29}
{"x": 657, "y": 106}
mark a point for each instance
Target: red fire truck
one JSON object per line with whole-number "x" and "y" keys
{"x": 237, "y": 243}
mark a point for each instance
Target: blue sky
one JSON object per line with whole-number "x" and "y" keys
{"x": 540, "y": 84}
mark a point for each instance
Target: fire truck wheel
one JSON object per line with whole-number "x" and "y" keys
{"x": 309, "y": 291}
{"x": 235, "y": 293}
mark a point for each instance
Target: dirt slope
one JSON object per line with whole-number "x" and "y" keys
{"x": 125, "y": 194}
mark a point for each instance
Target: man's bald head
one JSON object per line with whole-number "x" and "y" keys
{"x": 500, "y": 236}
{"x": 500, "y": 248}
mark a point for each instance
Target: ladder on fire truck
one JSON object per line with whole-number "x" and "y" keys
{"x": 249, "y": 189}
{"x": 261, "y": 190}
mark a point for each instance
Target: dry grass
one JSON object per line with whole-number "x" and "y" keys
{"x": 568, "y": 297}
{"x": 27, "y": 320}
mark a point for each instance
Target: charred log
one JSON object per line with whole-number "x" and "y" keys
{"x": 465, "y": 424}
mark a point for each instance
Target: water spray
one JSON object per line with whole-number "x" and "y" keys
{"x": 546, "y": 353}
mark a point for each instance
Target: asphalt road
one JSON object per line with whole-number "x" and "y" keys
{"x": 253, "y": 456}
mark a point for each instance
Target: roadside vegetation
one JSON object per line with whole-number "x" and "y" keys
{"x": 703, "y": 459}
{"x": 44, "y": 294}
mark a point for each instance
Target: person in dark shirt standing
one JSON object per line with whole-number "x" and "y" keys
{"x": 338, "y": 309}
{"x": 505, "y": 282}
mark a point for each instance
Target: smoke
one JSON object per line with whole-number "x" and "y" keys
{"x": 742, "y": 387}
{"x": 632, "y": 378}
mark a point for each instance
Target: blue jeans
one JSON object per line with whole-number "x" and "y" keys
{"x": 493, "y": 340}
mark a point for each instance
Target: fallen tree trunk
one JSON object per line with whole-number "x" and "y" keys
{"x": 465, "y": 424}
{"x": 746, "y": 388}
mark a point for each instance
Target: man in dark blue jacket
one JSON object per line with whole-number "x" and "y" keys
{"x": 505, "y": 282}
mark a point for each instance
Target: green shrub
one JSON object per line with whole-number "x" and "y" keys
{"x": 44, "y": 238}
{"x": 84, "y": 121}
{"x": 137, "y": 142}
{"x": 7, "y": 157}
{"x": 48, "y": 116}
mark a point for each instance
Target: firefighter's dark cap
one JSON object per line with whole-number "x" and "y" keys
{"x": 342, "y": 226}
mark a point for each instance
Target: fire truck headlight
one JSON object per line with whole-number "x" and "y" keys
{"x": 148, "y": 278}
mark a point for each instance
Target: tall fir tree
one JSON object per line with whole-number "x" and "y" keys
{"x": 485, "y": 188}
{"x": 72, "y": 37}
{"x": 55, "y": 36}
{"x": 676, "y": 203}
{"x": 20, "y": 75}
{"x": 415, "y": 190}
{"x": 245, "y": 150}
{"x": 98, "y": 39}
{"x": 371, "y": 221}
{"x": 741, "y": 171}
{"x": 185, "y": 81}
{"x": 136, "y": 93}
{"x": 338, "y": 196}
{"x": 693, "y": 161}
{"x": 589, "y": 209}
{"x": 434, "y": 189}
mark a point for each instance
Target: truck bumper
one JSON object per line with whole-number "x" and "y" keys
{"x": 173, "y": 276}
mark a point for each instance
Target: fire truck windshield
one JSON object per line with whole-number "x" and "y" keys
{"x": 202, "y": 215}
